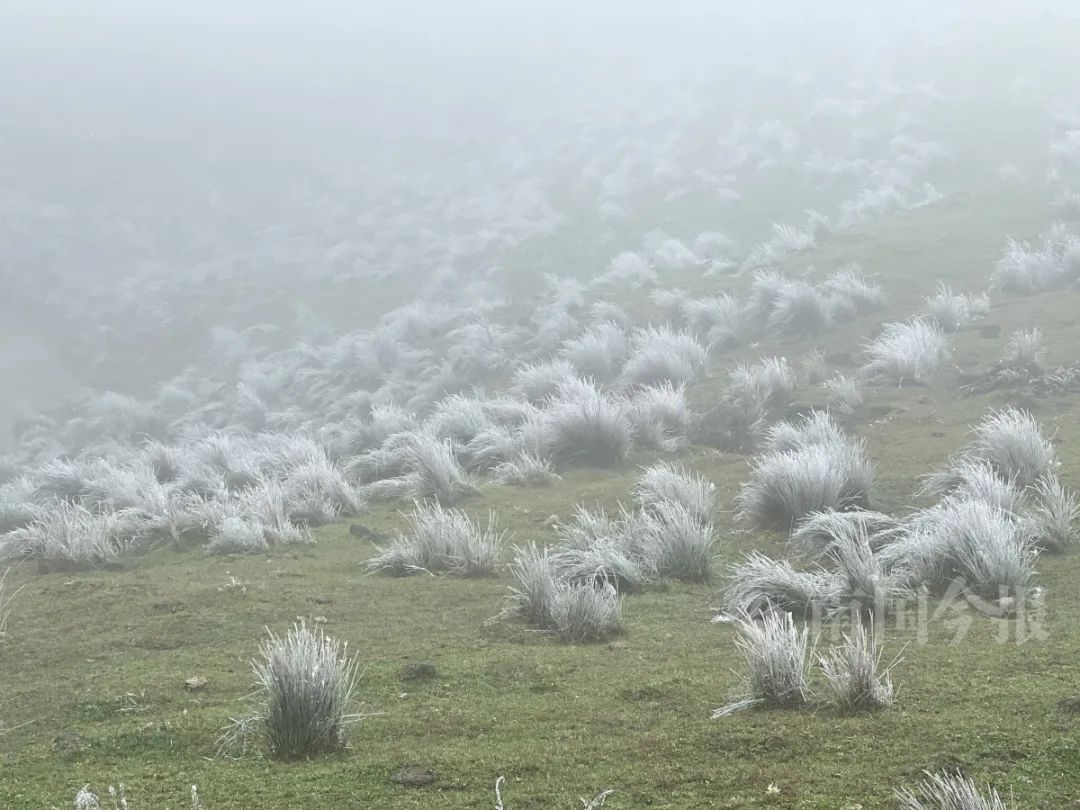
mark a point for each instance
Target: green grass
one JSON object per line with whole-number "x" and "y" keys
{"x": 105, "y": 654}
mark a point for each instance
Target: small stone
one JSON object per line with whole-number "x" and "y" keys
{"x": 414, "y": 776}
{"x": 196, "y": 683}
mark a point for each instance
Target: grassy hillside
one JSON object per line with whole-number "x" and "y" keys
{"x": 93, "y": 677}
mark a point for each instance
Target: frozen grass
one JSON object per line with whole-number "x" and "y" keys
{"x": 1026, "y": 350}
{"x": 660, "y": 355}
{"x": 5, "y": 608}
{"x": 952, "y": 311}
{"x": 584, "y": 426}
{"x": 664, "y": 483}
{"x": 777, "y": 655}
{"x": 770, "y": 381}
{"x": 910, "y": 351}
{"x": 817, "y": 533}
{"x": 949, "y": 791}
{"x": 974, "y": 479}
{"x": 413, "y": 465}
{"x": 844, "y": 394}
{"x": 599, "y": 353}
{"x": 306, "y": 682}
{"x": 760, "y": 585}
{"x": 676, "y": 543}
{"x": 1012, "y": 441}
{"x": 70, "y": 536}
{"x": 538, "y": 382}
{"x": 787, "y": 485}
{"x": 525, "y": 470}
{"x": 660, "y": 416}
{"x": 850, "y": 283}
{"x": 585, "y": 611}
{"x": 1053, "y": 514}
{"x": 799, "y": 308}
{"x": 441, "y": 540}
{"x": 1025, "y": 270}
{"x": 990, "y": 552}
{"x": 853, "y": 673}
{"x": 576, "y": 611}
{"x": 812, "y": 430}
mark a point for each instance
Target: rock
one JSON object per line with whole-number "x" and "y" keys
{"x": 196, "y": 683}
{"x": 414, "y": 776}
{"x": 323, "y": 600}
{"x": 419, "y": 671}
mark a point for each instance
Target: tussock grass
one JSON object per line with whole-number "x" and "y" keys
{"x": 306, "y": 682}
{"x": 441, "y": 540}
{"x": 949, "y": 791}
{"x": 759, "y": 585}
{"x": 665, "y": 483}
{"x": 906, "y": 352}
{"x": 787, "y": 485}
{"x": 853, "y": 673}
{"x": 777, "y": 657}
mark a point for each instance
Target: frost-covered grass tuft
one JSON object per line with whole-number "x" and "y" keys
{"x": 306, "y": 682}
{"x": 585, "y": 612}
{"x": 949, "y": 791}
{"x": 1053, "y": 514}
{"x": 441, "y": 540}
{"x": 814, "y": 536}
{"x": 974, "y": 479}
{"x": 761, "y": 585}
{"x": 664, "y": 483}
{"x": 585, "y": 426}
{"x": 675, "y": 542}
{"x": 769, "y": 381}
{"x": 1012, "y": 442}
{"x": 844, "y": 394}
{"x": 413, "y": 465}
{"x": 988, "y": 551}
{"x": 853, "y": 672}
{"x": 525, "y": 470}
{"x": 903, "y": 352}
{"x": 777, "y": 656}
{"x": 799, "y": 308}
{"x": 599, "y": 353}
{"x": 953, "y": 311}
{"x": 660, "y": 416}
{"x": 786, "y": 485}
{"x": 538, "y": 382}
{"x": 70, "y": 536}
{"x": 576, "y": 611}
{"x": 1026, "y": 350}
{"x": 659, "y": 355}
{"x": 1025, "y": 270}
